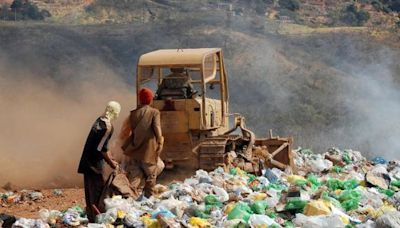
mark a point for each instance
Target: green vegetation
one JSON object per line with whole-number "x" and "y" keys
{"x": 351, "y": 15}
{"x": 292, "y": 5}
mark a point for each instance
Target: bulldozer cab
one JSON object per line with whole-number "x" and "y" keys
{"x": 191, "y": 93}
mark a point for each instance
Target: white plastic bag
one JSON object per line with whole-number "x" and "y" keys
{"x": 28, "y": 223}
{"x": 332, "y": 221}
{"x": 258, "y": 220}
{"x": 116, "y": 202}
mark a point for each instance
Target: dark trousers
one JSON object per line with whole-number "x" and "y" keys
{"x": 94, "y": 184}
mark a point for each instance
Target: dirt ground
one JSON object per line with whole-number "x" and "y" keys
{"x": 75, "y": 196}
{"x": 30, "y": 209}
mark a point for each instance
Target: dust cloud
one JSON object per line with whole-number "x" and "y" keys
{"x": 44, "y": 123}
{"x": 346, "y": 98}
{"x": 374, "y": 107}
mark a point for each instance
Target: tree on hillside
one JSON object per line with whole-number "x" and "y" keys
{"x": 351, "y": 15}
{"x": 32, "y": 12}
{"x": 17, "y": 5}
{"x": 292, "y": 5}
{"x": 4, "y": 11}
{"x": 23, "y": 10}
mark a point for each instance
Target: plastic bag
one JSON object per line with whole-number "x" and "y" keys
{"x": 379, "y": 160}
{"x": 346, "y": 158}
{"x": 240, "y": 211}
{"x": 350, "y": 199}
{"x": 236, "y": 223}
{"x": 318, "y": 164}
{"x": 313, "y": 179}
{"x": 150, "y": 223}
{"x": 73, "y": 217}
{"x": 333, "y": 201}
{"x": 337, "y": 169}
{"x": 271, "y": 214}
{"x": 296, "y": 205}
{"x": 279, "y": 187}
{"x": 162, "y": 212}
{"x": 175, "y": 206}
{"x": 301, "y": 182}
{"x": 96, "y": 225}
{"x": 351, "y": 204}
{"x": 257, "y": 196}
{"x": 211, "y": 200}
{"x": 292, "y": 179}
{"x": 350, "y": 184}
{"x": 288, "y": 224}
{"x": 199, "y": 222}
{"x": 37, "y": 223}
{"x": 395, "y": 183}
{"x": 259, "y": 207}
{"x": 201, "y": 214}
{"x": 271, "y": 176}
{"x": 334, "y": 184}
{"x": 116, "y": 202}
{"x": 387, "y": 192}
{"x": 221, "y": 194}
{"x": 349, "y": 194}
{"x": 50, "y": 217}
{"x": 322, "y": 221}
{"x": 317, "y": 207}
{"x": 261, "y": 220}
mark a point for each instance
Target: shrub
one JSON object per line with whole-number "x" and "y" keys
{"x": 31, "y": 11}
{"x": 292, "y": 5}
{"x": 353, "y": 16}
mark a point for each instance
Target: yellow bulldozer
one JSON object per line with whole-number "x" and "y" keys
{"x": 192, "y": 96}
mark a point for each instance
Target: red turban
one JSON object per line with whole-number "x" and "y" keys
{"x": 145, "y": 96}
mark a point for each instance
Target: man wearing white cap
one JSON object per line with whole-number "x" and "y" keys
{"x": 94, "y": 154}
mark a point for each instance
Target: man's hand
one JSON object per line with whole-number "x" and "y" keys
{"x": 110, "y": 161}
{"x": 114, "y": 164}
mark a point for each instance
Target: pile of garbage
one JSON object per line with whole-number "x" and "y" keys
{"x": 334, "y": 189}
{"x": 11, "y": 197}
{"x": 73, "y": 217}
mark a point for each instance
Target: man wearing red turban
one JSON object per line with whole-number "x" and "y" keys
{"x": 143, "y": 139}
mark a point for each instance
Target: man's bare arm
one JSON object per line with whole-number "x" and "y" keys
{"x": 110, "y": 161}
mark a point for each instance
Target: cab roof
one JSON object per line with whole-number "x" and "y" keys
{"x": 179, "y": 57}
